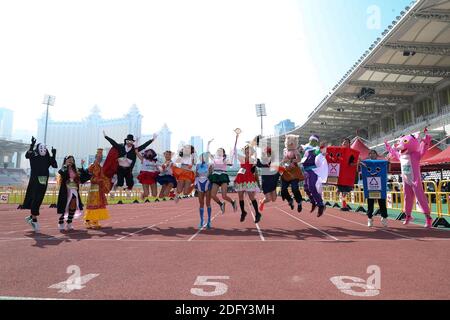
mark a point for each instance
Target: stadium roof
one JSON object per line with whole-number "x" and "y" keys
{"x": 411, "y": 59}
{"x": 12, "y": 146}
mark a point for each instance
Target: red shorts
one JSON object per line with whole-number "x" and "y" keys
{"x": 146, "y": 177}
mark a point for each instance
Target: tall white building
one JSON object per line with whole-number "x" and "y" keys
{"x": 180, "y": 145}
{"x": 82, "y": 138}
{"x": 197, "y": 142}
{"x": 283, "y": 127}
{"x": 6, "y": 123}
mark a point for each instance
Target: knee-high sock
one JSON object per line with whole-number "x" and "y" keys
{"x": 209, "y": 214}
{"x": 242, "y": 205}
{"x": 70, "y": 217}
{"x": 255, "y": 206}
{"x": 61, "y": 219}
{"x": 202, "y": 211}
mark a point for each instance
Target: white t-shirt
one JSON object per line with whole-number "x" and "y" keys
{"x": 149, "y": 166}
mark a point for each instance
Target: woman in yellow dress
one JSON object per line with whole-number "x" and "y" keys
{"x": 100, "y": 185}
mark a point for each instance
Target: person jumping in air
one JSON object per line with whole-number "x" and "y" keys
{"x": 40, "y": 162}
{"x": 269, "y": 176}
{"x": 203, "y": 187}
{"x": 409, "y": 151}
{"x": 316, "y": 172}
{"x": 96, "y": 209}
{"x": 149, "y": 173}
{"x": 291, "y": 172}
{"x": 125, "y": 157}
{"x": 185, "y": 172}
{"x": 165, "y": 177}
{"x": 374, "y": 174}
{"x": 69, "y": 200}
{"x": 245, "y": 181}
{"x": 219, "y": 178}
{"x": 345, "y": 190}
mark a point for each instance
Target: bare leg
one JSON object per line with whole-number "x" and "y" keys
{"x": 154, "y": 189}
{"x": 273, "y": 196}
{"x": 162, "y": 193}
{"x": 188, "y": 188}
{"x": 225, "y": 197}
{"x": 168, "y": 188}
{"x": 208, "y": 199}
{"x": 214, "y": 190}
{"x": 146, "y": 192}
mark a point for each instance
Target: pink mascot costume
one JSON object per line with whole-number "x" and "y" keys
{"x": 409, "y": 151}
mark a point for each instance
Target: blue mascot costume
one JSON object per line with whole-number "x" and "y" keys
{"x": 374, "y": 175}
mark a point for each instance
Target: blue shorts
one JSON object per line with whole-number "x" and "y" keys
{"x": 203, "y": 186}
{"x": 163, "y": 180}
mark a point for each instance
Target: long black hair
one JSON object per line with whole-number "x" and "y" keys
{"x": 224, "y": 153}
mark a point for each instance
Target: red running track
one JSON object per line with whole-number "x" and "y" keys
{"x": 156, "y": 251}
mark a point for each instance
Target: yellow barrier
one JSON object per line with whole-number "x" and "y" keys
{"x": 438, "y": 199}
{"x": 443, "y": 196}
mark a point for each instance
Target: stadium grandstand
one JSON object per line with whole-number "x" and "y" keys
{"x": 11, "y": 157}
{"x": 400, "y": 85}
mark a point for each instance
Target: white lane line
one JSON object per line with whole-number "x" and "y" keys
{"x": 28, "y": 298}
{"x": 220, "y": 240}
{"x": 362, "y": 224}
{"x": 321, "y": 231}
{"x": 203, "y": 227}
{"x": 154, "y": 225}
{"x": 257, "y": 225}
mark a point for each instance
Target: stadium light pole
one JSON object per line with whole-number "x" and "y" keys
{"x": 49, "y": 101}
{"x": 261, "y": 112}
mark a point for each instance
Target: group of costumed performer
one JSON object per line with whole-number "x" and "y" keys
{"x": 40, "y": 162}
{"x": 409, "y": 150}
{"x": 208, "y": 174}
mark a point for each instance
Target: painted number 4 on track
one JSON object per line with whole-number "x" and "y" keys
{"x": 355, "y": 286}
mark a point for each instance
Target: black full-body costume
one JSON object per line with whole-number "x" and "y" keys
{"x": 63, "y": 200}
{"x": 38, "y": 183}
{"x": 126, "y": 173}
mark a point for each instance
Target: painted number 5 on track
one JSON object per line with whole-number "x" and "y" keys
{"x": 219, "y": 288}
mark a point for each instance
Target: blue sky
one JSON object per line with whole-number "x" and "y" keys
{"x": 338, "y": 33}
{"x": 199, "y": 65}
